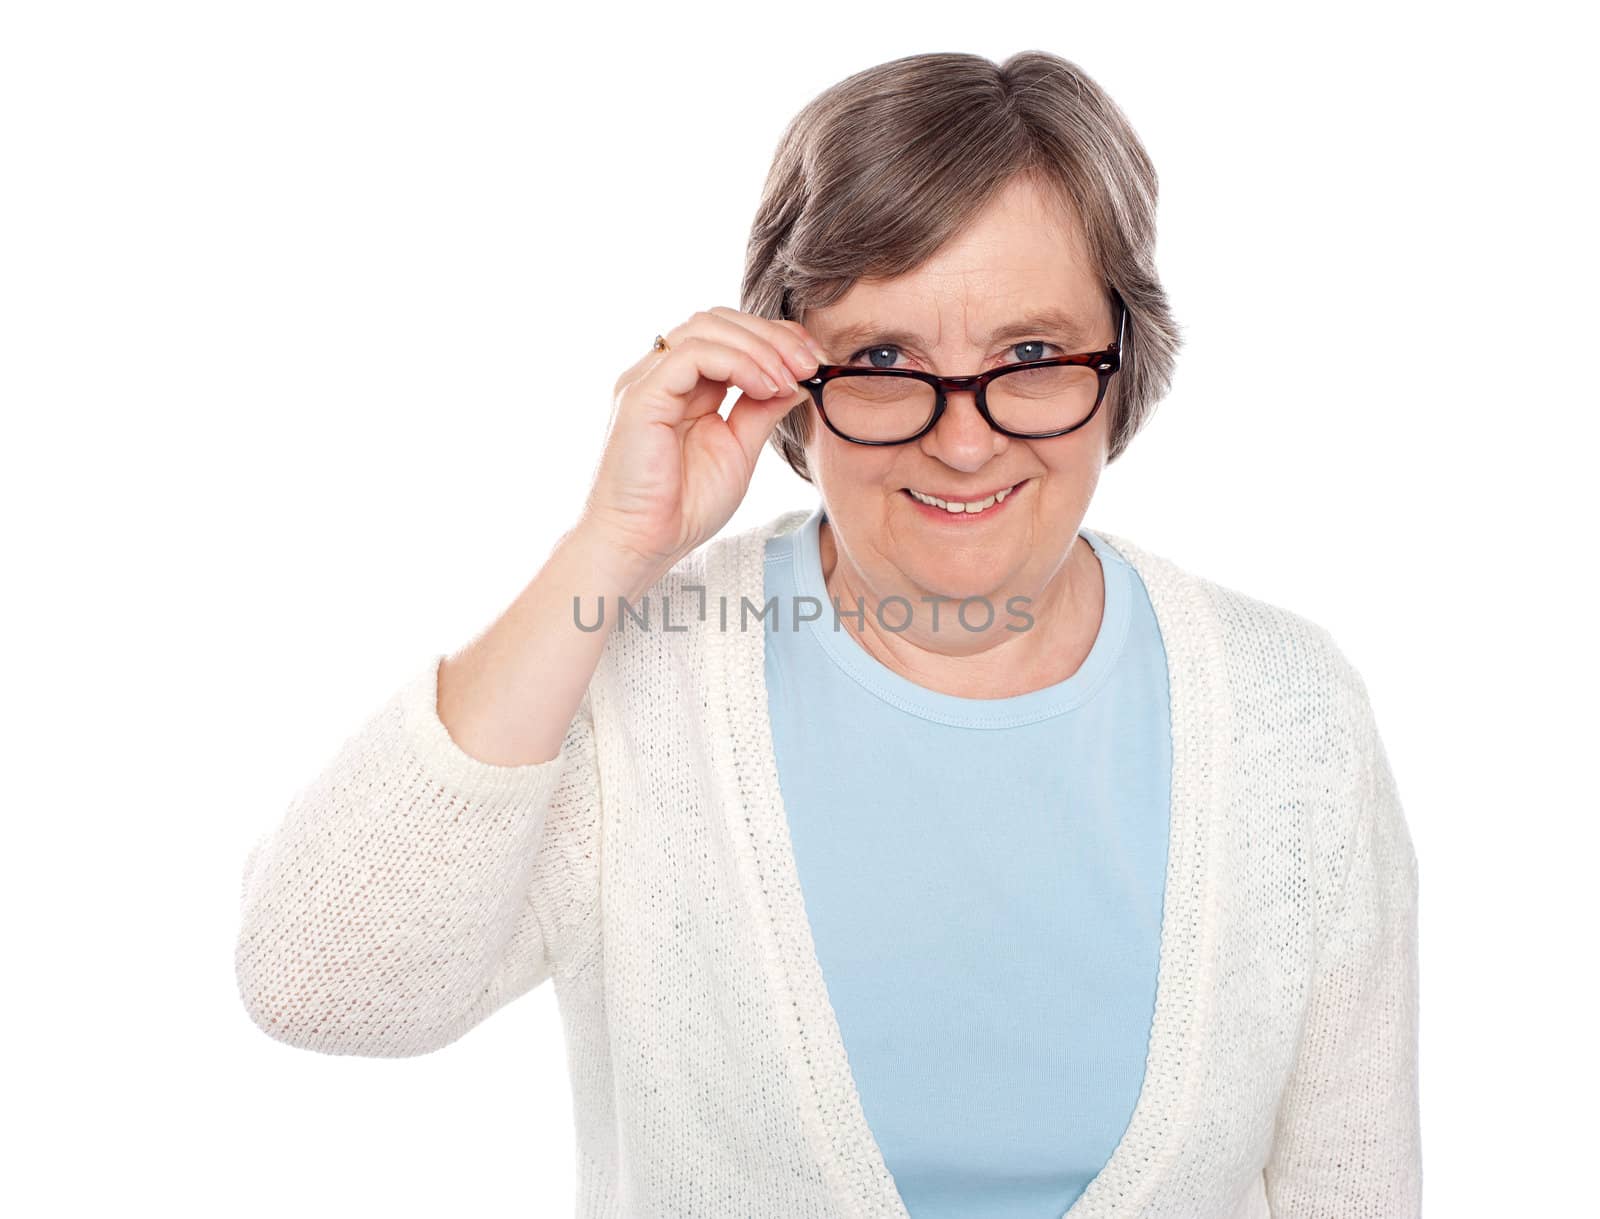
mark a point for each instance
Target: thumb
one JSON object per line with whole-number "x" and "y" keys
{"x": 753, "y": 420}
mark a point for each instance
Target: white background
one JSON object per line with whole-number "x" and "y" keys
{"x": 309, "y": 315}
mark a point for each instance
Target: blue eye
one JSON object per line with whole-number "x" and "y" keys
{"x": 1015, "y": 347}
{"x": 874, "y": 350}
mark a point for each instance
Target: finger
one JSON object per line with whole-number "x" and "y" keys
{"x": 753, "y": 422}
{"x": 638, "y": 369}
{"x": 795, "y": 357}
{"x": 719, "y": 326}
{"x": 806, "y": 337}
{"x": 694, "y": 359}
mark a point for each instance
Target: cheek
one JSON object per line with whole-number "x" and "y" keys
{"x": 1074, "y": 456}
{"x": 851, "y": 469}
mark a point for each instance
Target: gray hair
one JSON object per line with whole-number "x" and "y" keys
{"x": 877, "y": 172}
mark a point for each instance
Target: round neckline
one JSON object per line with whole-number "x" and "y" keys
{"x": 844, "y": 650}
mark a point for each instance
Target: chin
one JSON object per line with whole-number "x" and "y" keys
{"x": 948, "y": 575}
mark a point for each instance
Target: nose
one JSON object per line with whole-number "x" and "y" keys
{"x": 963, "y": 439}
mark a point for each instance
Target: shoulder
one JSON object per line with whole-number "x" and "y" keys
{"x": 665, "y": 628}
{"x": 729, "y": 566}
{"x": 1300, "y": 723}
{"x": 1271, "y": 651}
{"x": 1273, "y": 645}
{"x": 1299, "y": 731}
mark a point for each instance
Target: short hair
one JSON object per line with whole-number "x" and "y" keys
{"x": 880, "y": 170}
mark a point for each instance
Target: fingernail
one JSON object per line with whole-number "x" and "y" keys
{"x": 772, "y": 386}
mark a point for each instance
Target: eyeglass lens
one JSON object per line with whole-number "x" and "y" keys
{"x": 887, "y": 408}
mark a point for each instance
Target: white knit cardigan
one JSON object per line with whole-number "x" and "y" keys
{"x": 411, "y": 890}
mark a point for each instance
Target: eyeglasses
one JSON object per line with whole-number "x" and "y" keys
{"x": 1032, "y": 400}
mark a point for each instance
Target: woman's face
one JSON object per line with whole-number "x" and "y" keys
{"x": 1021, "y": 257}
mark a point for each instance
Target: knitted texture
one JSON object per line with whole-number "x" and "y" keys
{"x": 411, "y": 891}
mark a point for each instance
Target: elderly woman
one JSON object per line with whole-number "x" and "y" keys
{"x": 923, "y": 852}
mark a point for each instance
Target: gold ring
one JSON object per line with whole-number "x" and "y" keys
{"x": 661, "y": 344}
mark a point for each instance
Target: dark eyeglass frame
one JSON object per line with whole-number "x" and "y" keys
{"x": 1106, "y": 364}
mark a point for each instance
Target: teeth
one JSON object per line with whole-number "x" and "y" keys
{"x": 956, "y": 507}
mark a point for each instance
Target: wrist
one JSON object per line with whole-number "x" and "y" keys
{"x": 610, "y": 568}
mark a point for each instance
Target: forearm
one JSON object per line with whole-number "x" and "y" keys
{"x": 509, "y": 696}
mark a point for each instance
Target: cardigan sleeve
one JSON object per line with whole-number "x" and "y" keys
{"x": 1347, "y": 1140}
{"x": 395, "y": 905}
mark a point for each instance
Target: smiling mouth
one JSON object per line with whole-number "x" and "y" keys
{"x": 984, "y": 506}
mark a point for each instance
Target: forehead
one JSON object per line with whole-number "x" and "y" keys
{"x": 1023, "y": 256}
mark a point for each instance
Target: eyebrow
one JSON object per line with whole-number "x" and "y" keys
{"x": 1044, "y": 322}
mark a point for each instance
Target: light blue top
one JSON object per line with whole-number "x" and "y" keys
{"x": 984, "y": 880}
